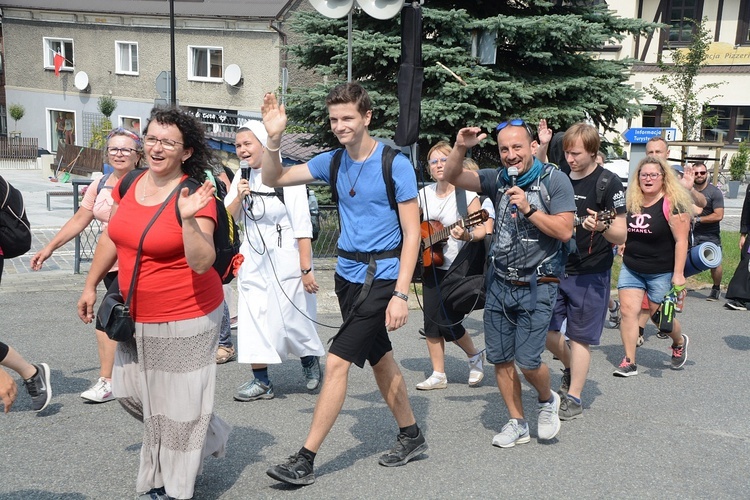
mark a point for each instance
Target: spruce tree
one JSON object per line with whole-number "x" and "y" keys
{"x": 545, "y": 67}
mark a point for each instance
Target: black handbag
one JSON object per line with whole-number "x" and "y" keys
{"x": 114, "y": 313}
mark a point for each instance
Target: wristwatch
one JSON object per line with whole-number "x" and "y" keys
{"x": 532, "y": 209}
{"x": 698, "y": 219}
{"x": 306, "y": 271}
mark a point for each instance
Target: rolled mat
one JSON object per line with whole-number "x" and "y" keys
{"x": 704, "y": 256}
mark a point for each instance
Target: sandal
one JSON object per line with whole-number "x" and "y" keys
{"x": 225, "y": 354}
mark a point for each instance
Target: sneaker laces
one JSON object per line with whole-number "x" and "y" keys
{"x": 625, "y": 363}
{"x": 677, "y": 350}
{"x": 31, "y": 387}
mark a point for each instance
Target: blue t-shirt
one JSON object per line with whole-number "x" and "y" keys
{"x": 367, "y": 222}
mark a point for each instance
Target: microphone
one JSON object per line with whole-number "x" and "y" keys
{"x": 513, "y": 174}
{"x": 245, "y": 170}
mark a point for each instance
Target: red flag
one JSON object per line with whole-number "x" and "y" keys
{"x": 59, "y": 60}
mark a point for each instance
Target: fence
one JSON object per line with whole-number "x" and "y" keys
{"x": 323, "y": 247}
{"x": 19, "y": 153}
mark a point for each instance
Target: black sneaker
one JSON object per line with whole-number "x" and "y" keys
{"x": 679, "y": 353}
{"x": 405, "y": 449}
{"x": 735, "y": 305}
{"x": 714, "y": 295}
{"x": 626, "y": 369}
{"x": 38, "y": 387}
{"x": 297, "y": 470}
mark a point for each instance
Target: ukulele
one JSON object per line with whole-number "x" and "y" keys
{"x": 603, "y": 216}
{"x": 433, "y": 233}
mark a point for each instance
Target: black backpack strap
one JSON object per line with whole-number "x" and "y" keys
{"x": 601, "y": 187}
{"x": 390, "y": 185}
{"x": 334, "y": 173}
{"x": 461, "y": 202}
{"x": 279, "y": 194}
{"x": 128, "y": 180}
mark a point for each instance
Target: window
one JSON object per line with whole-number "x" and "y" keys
{"x": 652, "y": 117}
{"x": 126, "y": 58}
{"x": 733, "y": 124}
{"x": 743, "y": 24}
{"x": 62, "y": 46}
{"x": 681, "y": 17}
{"x": 205, "y": 63}
{"x": 61, "y": 128}
{"x": 131, "y": 123}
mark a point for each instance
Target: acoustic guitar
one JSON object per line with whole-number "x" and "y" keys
{"x": 434, "y": 233}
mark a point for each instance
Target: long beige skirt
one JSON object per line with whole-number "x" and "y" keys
{"x": 166, "y": 377}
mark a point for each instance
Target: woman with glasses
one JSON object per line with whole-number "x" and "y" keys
{"x": 124, "y": 153}
{"x": 438, "y": 202}
{"x": 166, "y": 376}
{"x": 655, "y": 251}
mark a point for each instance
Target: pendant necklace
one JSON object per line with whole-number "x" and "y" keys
{"x": 352, "y": 192}
{"x": 158, "y": 189}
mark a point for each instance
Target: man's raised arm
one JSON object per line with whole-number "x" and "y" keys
{"x": 273, "y": 173}
{"x": 454, "y": 167}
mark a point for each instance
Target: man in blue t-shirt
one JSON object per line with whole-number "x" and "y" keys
{"x": 375, "y": 263}
{"x": 534, "y": 208}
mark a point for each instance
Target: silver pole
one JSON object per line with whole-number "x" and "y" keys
{"x": 349, "y": 50}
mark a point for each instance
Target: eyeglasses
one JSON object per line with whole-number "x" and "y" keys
{"x": 168, "y": 144}
{"x": 699, "y": 173}
{"x": 516, "y": 122}
{"x": 652, "y": 175}
{"x": 122, "y": 151}
{"x": 438, "y": 160}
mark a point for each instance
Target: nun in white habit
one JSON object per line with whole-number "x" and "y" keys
{"x": 276, "y": 302}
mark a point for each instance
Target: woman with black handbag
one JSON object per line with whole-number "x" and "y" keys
{"x": 166, "y": 375}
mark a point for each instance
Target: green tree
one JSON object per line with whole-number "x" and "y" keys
{"x": 16, "y": 112}
{"x": 544, "y": 66}
{"x": 107, "y": 105}
{"x": 677, "y": 89}
{"x": 738, "y": 163}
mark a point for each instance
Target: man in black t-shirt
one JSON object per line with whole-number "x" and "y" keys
{"x": 706, "y": 226}
{"x": 583, "y": 295}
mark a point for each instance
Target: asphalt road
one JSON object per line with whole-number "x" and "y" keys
{"x": 660, "y": 434}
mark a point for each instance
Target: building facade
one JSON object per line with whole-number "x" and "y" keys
{"x": 61, "y": 57}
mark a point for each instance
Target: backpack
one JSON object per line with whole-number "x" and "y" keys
{"x": 15, "y": 230}
{"x": 227, "y": 239}
{"x": 312, "y": 205}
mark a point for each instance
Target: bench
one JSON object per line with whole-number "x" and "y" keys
{"x": 59, "y": 192}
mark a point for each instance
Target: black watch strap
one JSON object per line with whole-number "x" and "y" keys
{"x": 532, "y": 209}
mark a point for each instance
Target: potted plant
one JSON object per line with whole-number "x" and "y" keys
{"x": 16, "y": 112}
{"x": 107, "y": 105}
{"x": 737, "y": 169}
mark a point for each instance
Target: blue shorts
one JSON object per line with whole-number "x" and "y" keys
{"x": 514, "y": 327}
{"x": 656, "y": 285}
{"x": 582, "y": 299}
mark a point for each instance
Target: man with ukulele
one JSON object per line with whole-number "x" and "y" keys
{"x": 584, "y": 288}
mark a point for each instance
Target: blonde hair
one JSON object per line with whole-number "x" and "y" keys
{"x": 470, "y": 164}
{"x": 442, "y": 147}
{"x": 679, "y": 198}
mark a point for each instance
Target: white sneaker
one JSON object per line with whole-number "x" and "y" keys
{"x": 100, "y": 392}
{"x": 476, "y": 369}
{"x": 548, "y": 424}
{"x": 433, "y": 382}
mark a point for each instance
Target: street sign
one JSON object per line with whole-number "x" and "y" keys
{"x": 641, "y": 135}
{"x": 164, "y": 85}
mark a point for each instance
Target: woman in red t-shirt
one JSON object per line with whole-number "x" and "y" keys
{"x": 166, "y": 377}
{"x": 124, "y": 151}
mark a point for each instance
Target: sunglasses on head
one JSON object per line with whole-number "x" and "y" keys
{"x": 516, "y": 122}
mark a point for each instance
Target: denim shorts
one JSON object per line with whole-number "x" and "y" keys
{"x": 515, "y": 328}
{"x": 583, "y": 300}
{"x": 656, "y": 285}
